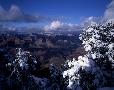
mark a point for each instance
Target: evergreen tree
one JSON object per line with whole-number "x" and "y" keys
{"x": 20, "y": 77}
{"x": 56, "y": 79}
{"x": 95, "y": 69}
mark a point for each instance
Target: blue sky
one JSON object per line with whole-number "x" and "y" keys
{"x": 69, "y": 11}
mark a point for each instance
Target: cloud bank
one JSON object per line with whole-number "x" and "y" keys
{"x": 16, "y": 14}
{"x": 108, "y": 16}
{"x": 57, "y": 25}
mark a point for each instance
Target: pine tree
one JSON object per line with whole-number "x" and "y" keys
{"x": 56, "y": 79}
{"x": 20, "y": 77}
{"x": 95, "y": 69}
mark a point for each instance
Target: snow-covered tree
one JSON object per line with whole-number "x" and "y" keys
{"x": 98, "y": 41}
{"x": 21, "y": 70}
{"x": 20, "y": 64}
{"x": 56, "y": 79}
{"x": 95, "y": 68}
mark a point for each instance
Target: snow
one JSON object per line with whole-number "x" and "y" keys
{"x": 22, "y": 58}
{"x": 93, "y": 56}
{"x": 89, "y": 30}
{"x": 35, "y": 61}
{"x": 83, "y": 61}
{"x": 87, "y": 48}
{"x": 111, "y": 46}
{"x": 98, "y": 42}
{"x": 72, "y": 73}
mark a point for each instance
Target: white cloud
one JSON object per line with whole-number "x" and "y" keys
{"x": 109, "y": 12}
{"x": 90, "y": 21}
{"x": 53, "y": 26}
{"x": 57, "y": 25}
{"x": 107, "y": 16}
{"x": 16, "y": 14}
